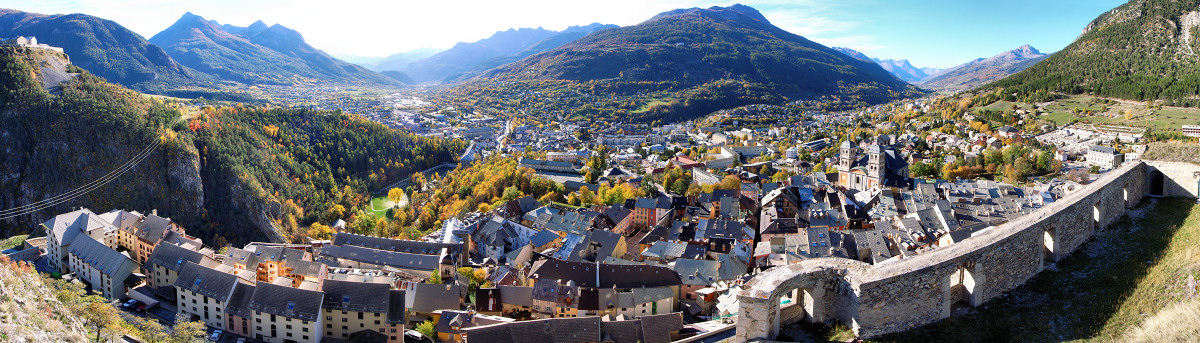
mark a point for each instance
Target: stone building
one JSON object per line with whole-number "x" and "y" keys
{"x": 1105, "y": 157}
{"x": 881, "y": 167}
{"x": 285, "y": 314}
{"x": 203, "y": 293}
{"x": 105, "y": 269}
{"x": 350, "y": 307}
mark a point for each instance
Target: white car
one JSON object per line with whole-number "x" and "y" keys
{"x": 216, "y": 335}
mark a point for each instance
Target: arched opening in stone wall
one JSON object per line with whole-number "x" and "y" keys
{"x": 1048, "y": 245}
{"x": 1096, "y": 216}
{"x": 964, "y": 288}
{"x": 1125, "y": 195}
{"x": 1157, "y": 183}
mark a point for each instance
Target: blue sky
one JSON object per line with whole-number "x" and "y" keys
{"x": 930, "y": 33}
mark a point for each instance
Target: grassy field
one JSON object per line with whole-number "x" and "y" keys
{"x": 1132, "y": 282}
{"x": 646, "y": 107}
{"x": 12, "y": 242}
{"x": 1061, "y": 112}
{"x": 379, "y": 206}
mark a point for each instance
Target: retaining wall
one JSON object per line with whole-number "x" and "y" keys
{"x": 900, "y": 295}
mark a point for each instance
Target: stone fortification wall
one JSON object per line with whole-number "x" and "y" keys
{"x": 1179, "y": 179}
{"x": 900, "y": 295}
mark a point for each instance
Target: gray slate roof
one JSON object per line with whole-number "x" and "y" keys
{"x": 173, "y": 257}
{"x": 287, "y": 301}
{"x": 206, "y": 281}
{"x": 399, "y": 245}
{"x": 356, "y": 296}
{"x": 99, "y": 256}
{"x": 433, "y": 297}
{"x": 381, "y": 257}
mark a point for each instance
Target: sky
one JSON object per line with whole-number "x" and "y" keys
{"x": 929, "y": 33}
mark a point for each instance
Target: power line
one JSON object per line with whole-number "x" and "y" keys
{"x": 82, "y": 190}
{"x": 99, "y": 180}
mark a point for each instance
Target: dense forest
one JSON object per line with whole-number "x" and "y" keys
{"x": 222, "y": 172}
{"x": 1143, "y": 50}
{"x": 300, "y": 163}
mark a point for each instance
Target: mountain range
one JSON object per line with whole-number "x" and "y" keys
{"x": 103, "y": 47}
{"x": 902, "y": 69}
{"x": 983, "y": 71}
{"x": 467, "y": 59}
{"x": 1142, "y": 50}
{"x": 256, "y": 54}
{"x": 694, "y": 49}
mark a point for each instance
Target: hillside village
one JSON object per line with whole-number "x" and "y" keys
{"x": 671, "y": 262}
{"x": 579, "y": 216}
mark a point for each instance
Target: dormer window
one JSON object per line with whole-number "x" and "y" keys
{"x": 291, "y": 305}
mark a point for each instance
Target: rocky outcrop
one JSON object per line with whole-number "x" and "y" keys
{"x": 29, "y": 312}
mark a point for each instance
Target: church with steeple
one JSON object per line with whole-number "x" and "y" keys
{"x": 881, "y": 166}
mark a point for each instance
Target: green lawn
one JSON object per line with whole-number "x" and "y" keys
{"x": 657, "y": 101}
{"x": 379, "y": 206}
{"x": 12, "y": 242}
{"x": 1112, "y": 284}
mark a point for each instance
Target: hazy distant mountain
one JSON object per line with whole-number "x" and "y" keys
{"x": 257, "y": 54}
{"x": 1142, "y": 50}
{"x": 101, "y": 46}
{"x": 401, "y": 60}
{"x": 468, "y": 59}
{"x": 398, "y": 76}
{"x": 853, "y": 53}
{"x": 985, "y": 70}
{"x": 566, "y": 36}
{"x": 697, "y": 50}
{"x": 902, "y": 69}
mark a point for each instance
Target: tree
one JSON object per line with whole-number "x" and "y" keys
{"x": 511, "y": 192}
{"x": 337, "y": 211}
{"x": 1045, "y": 162}
{"x": 101, "y": 316}
{"x": 435, "y": 277}
{"x": 589, "y": 176}
{"x": 426, "y": 329}
{"x": 396, "y": 195}
{"x": 418, "y": 180}
{"x": 320, "y": 231}
{"x": 188, "y": 331}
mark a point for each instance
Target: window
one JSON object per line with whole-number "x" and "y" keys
{"x": 328, "y": 317}
{"x": 289, "y": 327}
{"x": 343, "y": 319}
{"x": 376, "y": 322}
{"x": 328, "y": 326}
{"x": 304, "y": 329}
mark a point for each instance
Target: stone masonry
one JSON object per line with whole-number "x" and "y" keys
{"x": 993, "y": 261}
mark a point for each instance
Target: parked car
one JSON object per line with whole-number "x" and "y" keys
{"x": 415, "y": 336}
{"x": 142, "y": 308}
{"x": 216, "y": 336}
{"x": 241, "y": 340}
{"x": 131, "y": 303}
